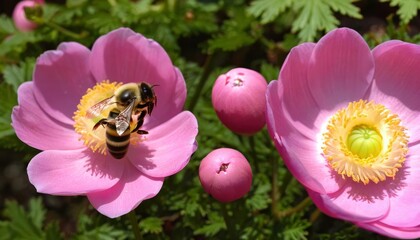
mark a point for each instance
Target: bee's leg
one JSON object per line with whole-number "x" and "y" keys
{"x": 103, "y": 122}
{"x": 142, "y": 132}
{"x": 140, "y": 120}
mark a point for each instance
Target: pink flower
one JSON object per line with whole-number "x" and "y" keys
{"x": 19, "y": 16}
{"x": 346, "y": 121}
{"x": 239, "y": 102}
{"x": 225, "y": 174}
{"x": 50, "y": 118}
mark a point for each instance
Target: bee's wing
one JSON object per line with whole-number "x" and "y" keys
{"x": 97, "y": 109}
{"x": 122, "y": 121}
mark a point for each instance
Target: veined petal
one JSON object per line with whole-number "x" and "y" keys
{"x": 127, "y": 194}
{"x": 125, "y": 56}
{"x": 301, "y": 154}
{"x": 404, "y": 190}
{"x": 341, "y": 69}
{"x": 37, "y": 129}
{"x": 393, "y": 232}
{"x": 61, "y": 77}
{"x": 356, "y": 202}
{"x": 397, "y": 82}
{"x": 167, "y": 148}
{"x": 297, "y": 98}
{"x": 73, "y": 172}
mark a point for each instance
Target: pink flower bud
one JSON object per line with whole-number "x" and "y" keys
{"x": 239, "y": 100}
{"x": 225, "y": 174}
{"x": 19, "y": 17}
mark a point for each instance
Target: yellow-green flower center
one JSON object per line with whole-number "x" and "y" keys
{"x": 85, "y": 117}
{"x": 365, "y": 142}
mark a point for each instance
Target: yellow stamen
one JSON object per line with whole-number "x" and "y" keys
{"x": 365, "y": 142}
{"x": 85, "y": 121}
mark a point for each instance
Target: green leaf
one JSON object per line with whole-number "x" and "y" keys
{"x": 407, "y": 9}
{"x": 36, "y": 212}
{"x": 215, "y": 224}
{"x": 314, "y": 15}
{"x": 16, "y": 42}
{"x": 231, "y": 41}
{"x": 15, "y": 75}
{"x": 6, "y": 25}
{"x": 269, "y": 71}
{"x": 21, "y": 224}
{"x": 295, "y": 228}
{"x": 268, "y": 9}
{"x": 88, "y": 229}
{"x": 151, "y": 225}
{"x": 237, "y": 32}
{"x": 8, "y": 99}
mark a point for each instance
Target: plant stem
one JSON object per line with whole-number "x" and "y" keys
{"x": 61, "y": 29}
{"x": 134, "y": 225}
{"x": 65, "y": 31}
{"x": 295, "y": 209}
{"x": 201, "y": 83}
{"x": 314, "y": 216}
{"x": 230, "y": 227}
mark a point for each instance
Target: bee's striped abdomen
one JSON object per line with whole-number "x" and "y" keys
{"x": 117, "y": 145}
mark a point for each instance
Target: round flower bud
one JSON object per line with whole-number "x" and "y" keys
{"x": 225, "y": 174}
{"x": 19, "y": 16}
{"x": 238, "y": 98}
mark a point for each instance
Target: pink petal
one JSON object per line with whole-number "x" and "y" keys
{"x": 167, "y": 148}
{"x": 127, "y": 194}
{"x": 319, "y": 203}
{"x": 393, "y": 232}
{"x": 73, "y": 172}
{"x": 175, "y": 99}
{"x": 295, "y": 91}
{"x": 61, "y": 78}
{"x": 397, "y": 82}
{"x": 384, "y": 47}
{"x": 341, "y": 69}
{"x": 404, "y": 191}
{"x": 356, "y": 202}
{"x": 37, "y": 129}
{"x": 301, "y": 153}
{"x": 125, "y": 56}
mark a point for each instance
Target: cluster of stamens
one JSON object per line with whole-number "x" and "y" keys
{"x": 365, "y": 142}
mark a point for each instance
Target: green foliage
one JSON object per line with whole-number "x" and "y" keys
{"x": 268, "y": 10}
{"x": 213, "y": 225}
{"x": 204, "y": 38}
{"x": 295, "y": 229}
{"x": 312, "y": 15}
{"x": 407, "y": 9}
{"x": 151, "y": 225}
{"x": 89, "y": 228}
{"x": 27, "y": 224}
{"x": 237, "y": 32}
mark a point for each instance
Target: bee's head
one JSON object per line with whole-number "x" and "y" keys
{"x": 148, "y": 96}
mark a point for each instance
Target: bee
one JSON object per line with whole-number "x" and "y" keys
{"x": 130, "y": 100}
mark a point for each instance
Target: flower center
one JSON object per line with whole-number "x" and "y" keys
{"x": 365, "y": 142}
{"x": 86, "y": 117}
